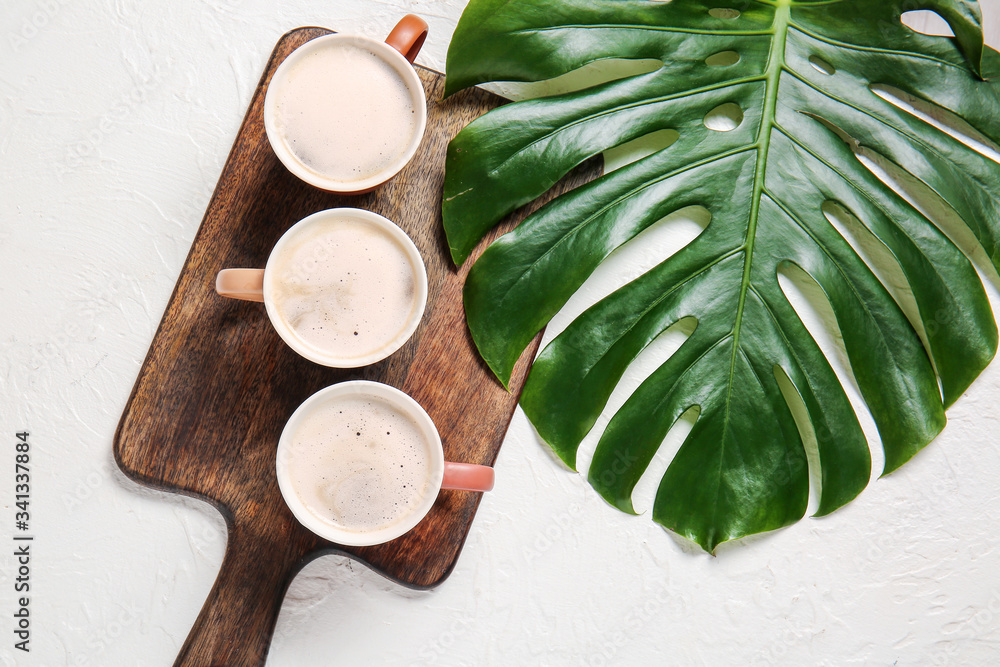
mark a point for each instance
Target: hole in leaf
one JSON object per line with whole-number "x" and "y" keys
{"x": 724, "y": 118}
{"x": 656, "y": 243}
{"x": 591, "y": 74}
{"x": 723, "y": 59}
{"x": 939, "y": 117}
{"x": 723, "y": 13}
{"x": 808, "y": 434}
{"x": 879, "y": 259}
{"x": 822, "y": 66}
{"x": 927, "y": 22}
{"x": 638, "y": 148}
{"x": 844, "y": 136}
{"x": 646, "y": 362}
{"x": 647, "y": 249}
{"x": 644, "y": 492}
{"x": 809, "y": 301}
{"x": 932, "y": 205}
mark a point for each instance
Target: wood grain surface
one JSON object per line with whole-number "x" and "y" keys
{"x": 218, "y": 384}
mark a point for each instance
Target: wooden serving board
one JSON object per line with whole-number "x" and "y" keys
{"x": 218, "y": 384}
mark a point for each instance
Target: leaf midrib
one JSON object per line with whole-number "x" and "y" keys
{"x": 775, "y": 65}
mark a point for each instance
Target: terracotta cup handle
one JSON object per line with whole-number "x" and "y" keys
{"x": 246, "y": 284}
{"x": 408, "y": 36}
{"x": 467, "y": 477}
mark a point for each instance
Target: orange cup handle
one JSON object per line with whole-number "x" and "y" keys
{"x": 408, "y": 36}
{"x": 246, "y": 284}
{"x": 467, "y": 477}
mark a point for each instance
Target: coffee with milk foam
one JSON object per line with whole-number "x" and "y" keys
{"x": 345, "y": 113}
{"x": 344, "y": 287}
{"x": 359, "y": 463}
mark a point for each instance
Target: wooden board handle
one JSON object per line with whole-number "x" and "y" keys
{"x": 236, "y": 623}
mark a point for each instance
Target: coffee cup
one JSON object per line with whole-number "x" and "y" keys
{"x": 361, "y": 463}
{"x": 346, "y": 113}
{"x": 342, "y": 287}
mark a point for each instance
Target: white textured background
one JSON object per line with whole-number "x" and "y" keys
{"x": 115, "y": 119}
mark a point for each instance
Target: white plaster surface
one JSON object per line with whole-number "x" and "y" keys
{"x": 116, "y": 117}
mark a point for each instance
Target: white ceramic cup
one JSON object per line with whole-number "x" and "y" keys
{"x": 441, "y": 474}
{"x": 398, "y": 51}
{"x": 261, "y": 285}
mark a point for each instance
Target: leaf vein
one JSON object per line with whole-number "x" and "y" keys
{"x": 636, "y": 26}
{"x": 872, "y": 49}
{"x": 624, "y": 107}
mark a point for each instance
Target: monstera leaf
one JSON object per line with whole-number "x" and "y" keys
{"x": 803, "y": 77}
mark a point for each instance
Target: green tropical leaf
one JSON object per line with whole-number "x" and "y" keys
{"x": 804, "y": 77}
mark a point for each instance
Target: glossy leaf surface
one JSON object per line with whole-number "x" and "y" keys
{"x": 803, "y": 86}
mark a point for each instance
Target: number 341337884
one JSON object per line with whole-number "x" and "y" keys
{"x": 22, "y": 480}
